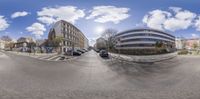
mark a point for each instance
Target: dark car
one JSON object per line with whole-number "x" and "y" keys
{"x": 103, "y": 53}
{"x": 97, "y": 51}
{"x": 81, "y": 51}
{"x": 85, "y": 50}
{"x": 76, "y": 53}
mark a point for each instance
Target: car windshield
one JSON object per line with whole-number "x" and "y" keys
{"x": 99, "y": 49}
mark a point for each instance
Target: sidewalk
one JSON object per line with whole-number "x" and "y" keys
{"x": 44, "y": 56}
{"x": 144, "y": 58}
{"x": 30, "y": 54}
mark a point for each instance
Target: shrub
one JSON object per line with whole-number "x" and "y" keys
{"x": 183, "y": 52}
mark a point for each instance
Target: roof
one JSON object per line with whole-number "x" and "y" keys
{"x": 63, "y": 21}
{"x": 141, "y": 29}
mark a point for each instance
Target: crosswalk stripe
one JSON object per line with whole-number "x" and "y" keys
{"x": 57, "y": 58}
{"x": 49, "y": 57}
{"x": 45, "y": 57}
{"x": 54, "y": 57}
{"x": 40, "y": 57}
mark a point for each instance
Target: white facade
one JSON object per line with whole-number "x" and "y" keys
{"x": 2, "y": 44}
{"x": 86, "y": 43}
{"x": 143, "y": 39}
{"x": 179, "y": 43}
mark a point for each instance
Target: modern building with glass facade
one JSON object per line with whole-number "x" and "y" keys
{"x": 148, "y": 40}
{"x": 73, "y": 37}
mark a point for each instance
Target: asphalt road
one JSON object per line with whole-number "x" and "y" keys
{"x": 92, "y": 77}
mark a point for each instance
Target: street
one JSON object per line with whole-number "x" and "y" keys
{"x": 92, "y": 77}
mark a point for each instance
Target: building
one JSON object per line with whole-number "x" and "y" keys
{"x": 2, "y": 44}
{"x": 192, "y": 43}
{"x": 86, "y": 43}
{"x": 147, "y": 41}
{"x": 6, "y": 45}
{"x": 100, "y": 44}
{"x": 180, "y": 43}
{"x": 73, "y": 37}
{"x": 23, "y": 44}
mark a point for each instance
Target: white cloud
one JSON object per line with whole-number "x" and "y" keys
{"x": 185, "y": 15}
{"x": 197, "y": 24}
{"x": 37, "y": 29}
{"x": 178, "y": 19}
{"x": 181, "y": 20}
{"x": 105, "y": 14}
{"x": 195, "y": 35}
{"x": 46, "y": 20}
{"x": 3, "y": 23}
{"x": 175, "y": 9}
{"x": 19, "y": 14}
{"x": 92, "y": 41}
{"x": 174, "y": 24}
{"x": 49, "y": 15}
{"x": 156, "y": 18}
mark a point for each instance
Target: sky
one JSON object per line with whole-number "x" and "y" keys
{"x": 34, "y": 18}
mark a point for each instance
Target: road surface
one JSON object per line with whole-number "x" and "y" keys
{"x": 92, "y": 77}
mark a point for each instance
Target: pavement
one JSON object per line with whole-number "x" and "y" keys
{"x": 44, "y": 56}
{"x": 92, "y": 77}
{"x": 144, "y": 58}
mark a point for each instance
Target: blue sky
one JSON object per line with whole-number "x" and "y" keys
{"x": 35, "y": 17}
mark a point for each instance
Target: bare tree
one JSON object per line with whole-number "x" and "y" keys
{"x": 9, "y": 45}
{"x": 195, "y": 45}
{"x": 108, "y": 35}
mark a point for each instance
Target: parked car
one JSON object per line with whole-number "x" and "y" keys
{"x": 81, "y": 51}
{"x": 97, "y": 51}
{"x": 85, "y": 50}
{"x": 103, "y": 53}
{"x": 75, "y": 53}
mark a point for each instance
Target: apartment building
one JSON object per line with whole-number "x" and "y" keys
{"x": 73, "y": 37}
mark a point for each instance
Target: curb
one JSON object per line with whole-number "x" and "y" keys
{"x": 33, "y": 56}
{"x": 140, "y": 60}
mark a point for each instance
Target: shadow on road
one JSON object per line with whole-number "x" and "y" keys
{"x": 142, "y": 69}
{"x": 105, "y": 58}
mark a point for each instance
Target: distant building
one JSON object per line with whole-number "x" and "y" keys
{"x": 23, "y": 43}
{"x": 6, "y": 45}
{"x": 73, "y": 37}
{"x": 2, "y": 44}
{"x": 191, "y": 43}
{"x": 100, "y": 43}
{"x": 180, "y": 43}
{"x": 86, "y": 43}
